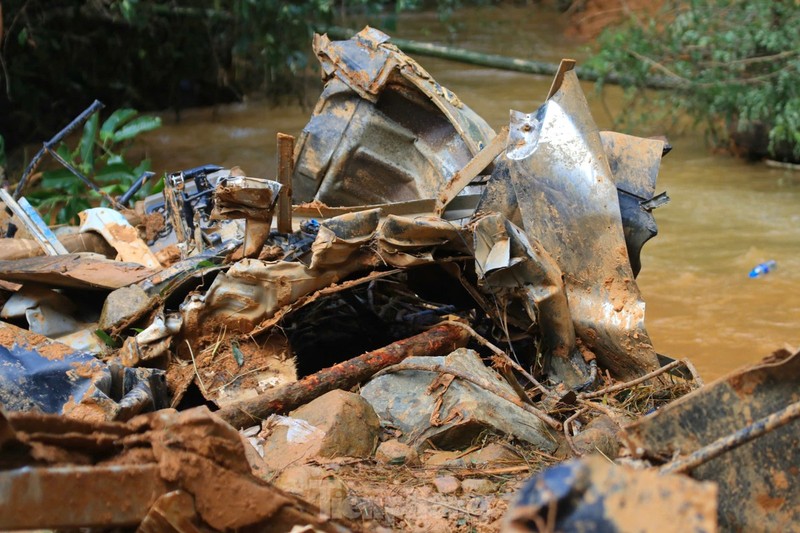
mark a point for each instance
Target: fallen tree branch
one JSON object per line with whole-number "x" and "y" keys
{"x": 501, "y": 354}
{"x": 439, "y": 340}
{"x": 631, "y": 383}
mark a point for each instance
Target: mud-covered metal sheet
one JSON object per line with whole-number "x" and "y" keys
{"x": 759, "y": 486}
{"x": 74, "y": 270}
{"x": 43, "y": 375}
{"x": 568, "y": 203}
{"x": 379, "y": 103}
{"x": 593, "y": 495}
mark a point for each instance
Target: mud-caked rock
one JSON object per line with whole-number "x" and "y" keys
{"x": 337, "y": 424}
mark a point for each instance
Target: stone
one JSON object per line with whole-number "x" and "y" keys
{"x": 122, "y": 304}
{"x": 446, "y": 484}
{"x": 337, "y": 424}
{"x": 394, "y": 452}
{"x": 317, "y": 486}
{"x": 402, "y": 399}
{"x": 600, "y": 435}
{"x": 478, "y": 486}
{"x": 494, "y": 454}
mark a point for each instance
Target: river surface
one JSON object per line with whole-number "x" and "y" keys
{"x": 725, "y": 215}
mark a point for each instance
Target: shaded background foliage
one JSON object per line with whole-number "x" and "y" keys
{"x": 59, "y": 55}
{"x": 737, "y": 63}
{"x": 739, "y": 60}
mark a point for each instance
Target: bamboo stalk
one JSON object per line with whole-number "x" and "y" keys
{"x": 508, "y": 63}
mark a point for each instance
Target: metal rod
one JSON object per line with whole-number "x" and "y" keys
{"x": 97, "y": 105}
{"x": 734, "y": 440}
{"x": 126, "y": 197}
{"x": 107, "y": 197}
{"x": 34, "y": 224}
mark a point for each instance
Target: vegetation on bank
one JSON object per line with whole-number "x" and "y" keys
{"x": 736, "y": 64}
{"x": 57, "y": 56}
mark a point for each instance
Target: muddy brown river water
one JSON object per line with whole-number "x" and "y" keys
{"x": 725, "y": 217}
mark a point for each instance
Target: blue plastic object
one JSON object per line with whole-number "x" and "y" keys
{"x": 763, "y": 268}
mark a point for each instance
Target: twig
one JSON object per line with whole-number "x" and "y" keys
{"x": 482, "y": 383}
{"x": 503, "y": 355}
{"x": 196, "y": 372}
{"x": 453, "y": 507}
{"x": 629, "y": 384}
{"x": 494, "y": 471}
{"x": 567, "y": 423}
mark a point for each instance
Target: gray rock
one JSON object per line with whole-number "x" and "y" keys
{"x": 123, "y": 304}
{"x": 402, "y": 399}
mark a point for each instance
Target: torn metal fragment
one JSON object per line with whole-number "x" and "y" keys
{"x": 118, "y": 232}
{"x": 568, "y": 202}
{"x": 37, "y": 373}
{"x": 379, "y": 102}
{"x": 759, "y": 488}
{"x": 594, "y": 495}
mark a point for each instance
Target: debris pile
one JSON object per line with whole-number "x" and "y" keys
{"x": 417, "y": 314}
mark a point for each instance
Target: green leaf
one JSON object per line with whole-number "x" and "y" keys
{"x": 116, "y": 173}
{"x": 22, "y": 36}
{"x": 117, "y": 119}
{"x": 237, "y": 353}
{"x": 86, "y": 145}
{"x": 107, "y": 339}
{"x": 135, "y": 127}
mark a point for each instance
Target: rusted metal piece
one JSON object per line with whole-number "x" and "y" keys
{"x": 57, "y": 138}
{"x": 595, "y": 495}
{"x": 439, "y": 340}
{"x": 77, "y": 496}
{"x": 755, "y": 430}
{"x": 470, "y": 171}
{"x": 759, "y": 486}
{"x": 252, "y": 199}
{"x": 74, "y": 270}
{"x": 378, "y": 102}
{"x": 285, "y": 171}
{"x": 568, "y": 203}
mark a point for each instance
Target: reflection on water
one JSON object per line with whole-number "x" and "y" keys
{"x": 725, "y": 216}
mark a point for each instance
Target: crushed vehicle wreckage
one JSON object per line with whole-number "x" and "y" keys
{"x": 401, "y": 245}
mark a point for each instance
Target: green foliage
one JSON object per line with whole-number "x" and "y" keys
{"x": 737, "y": 64}
{"x": 160, "y": 54}
{"x": 100, "y": 156}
